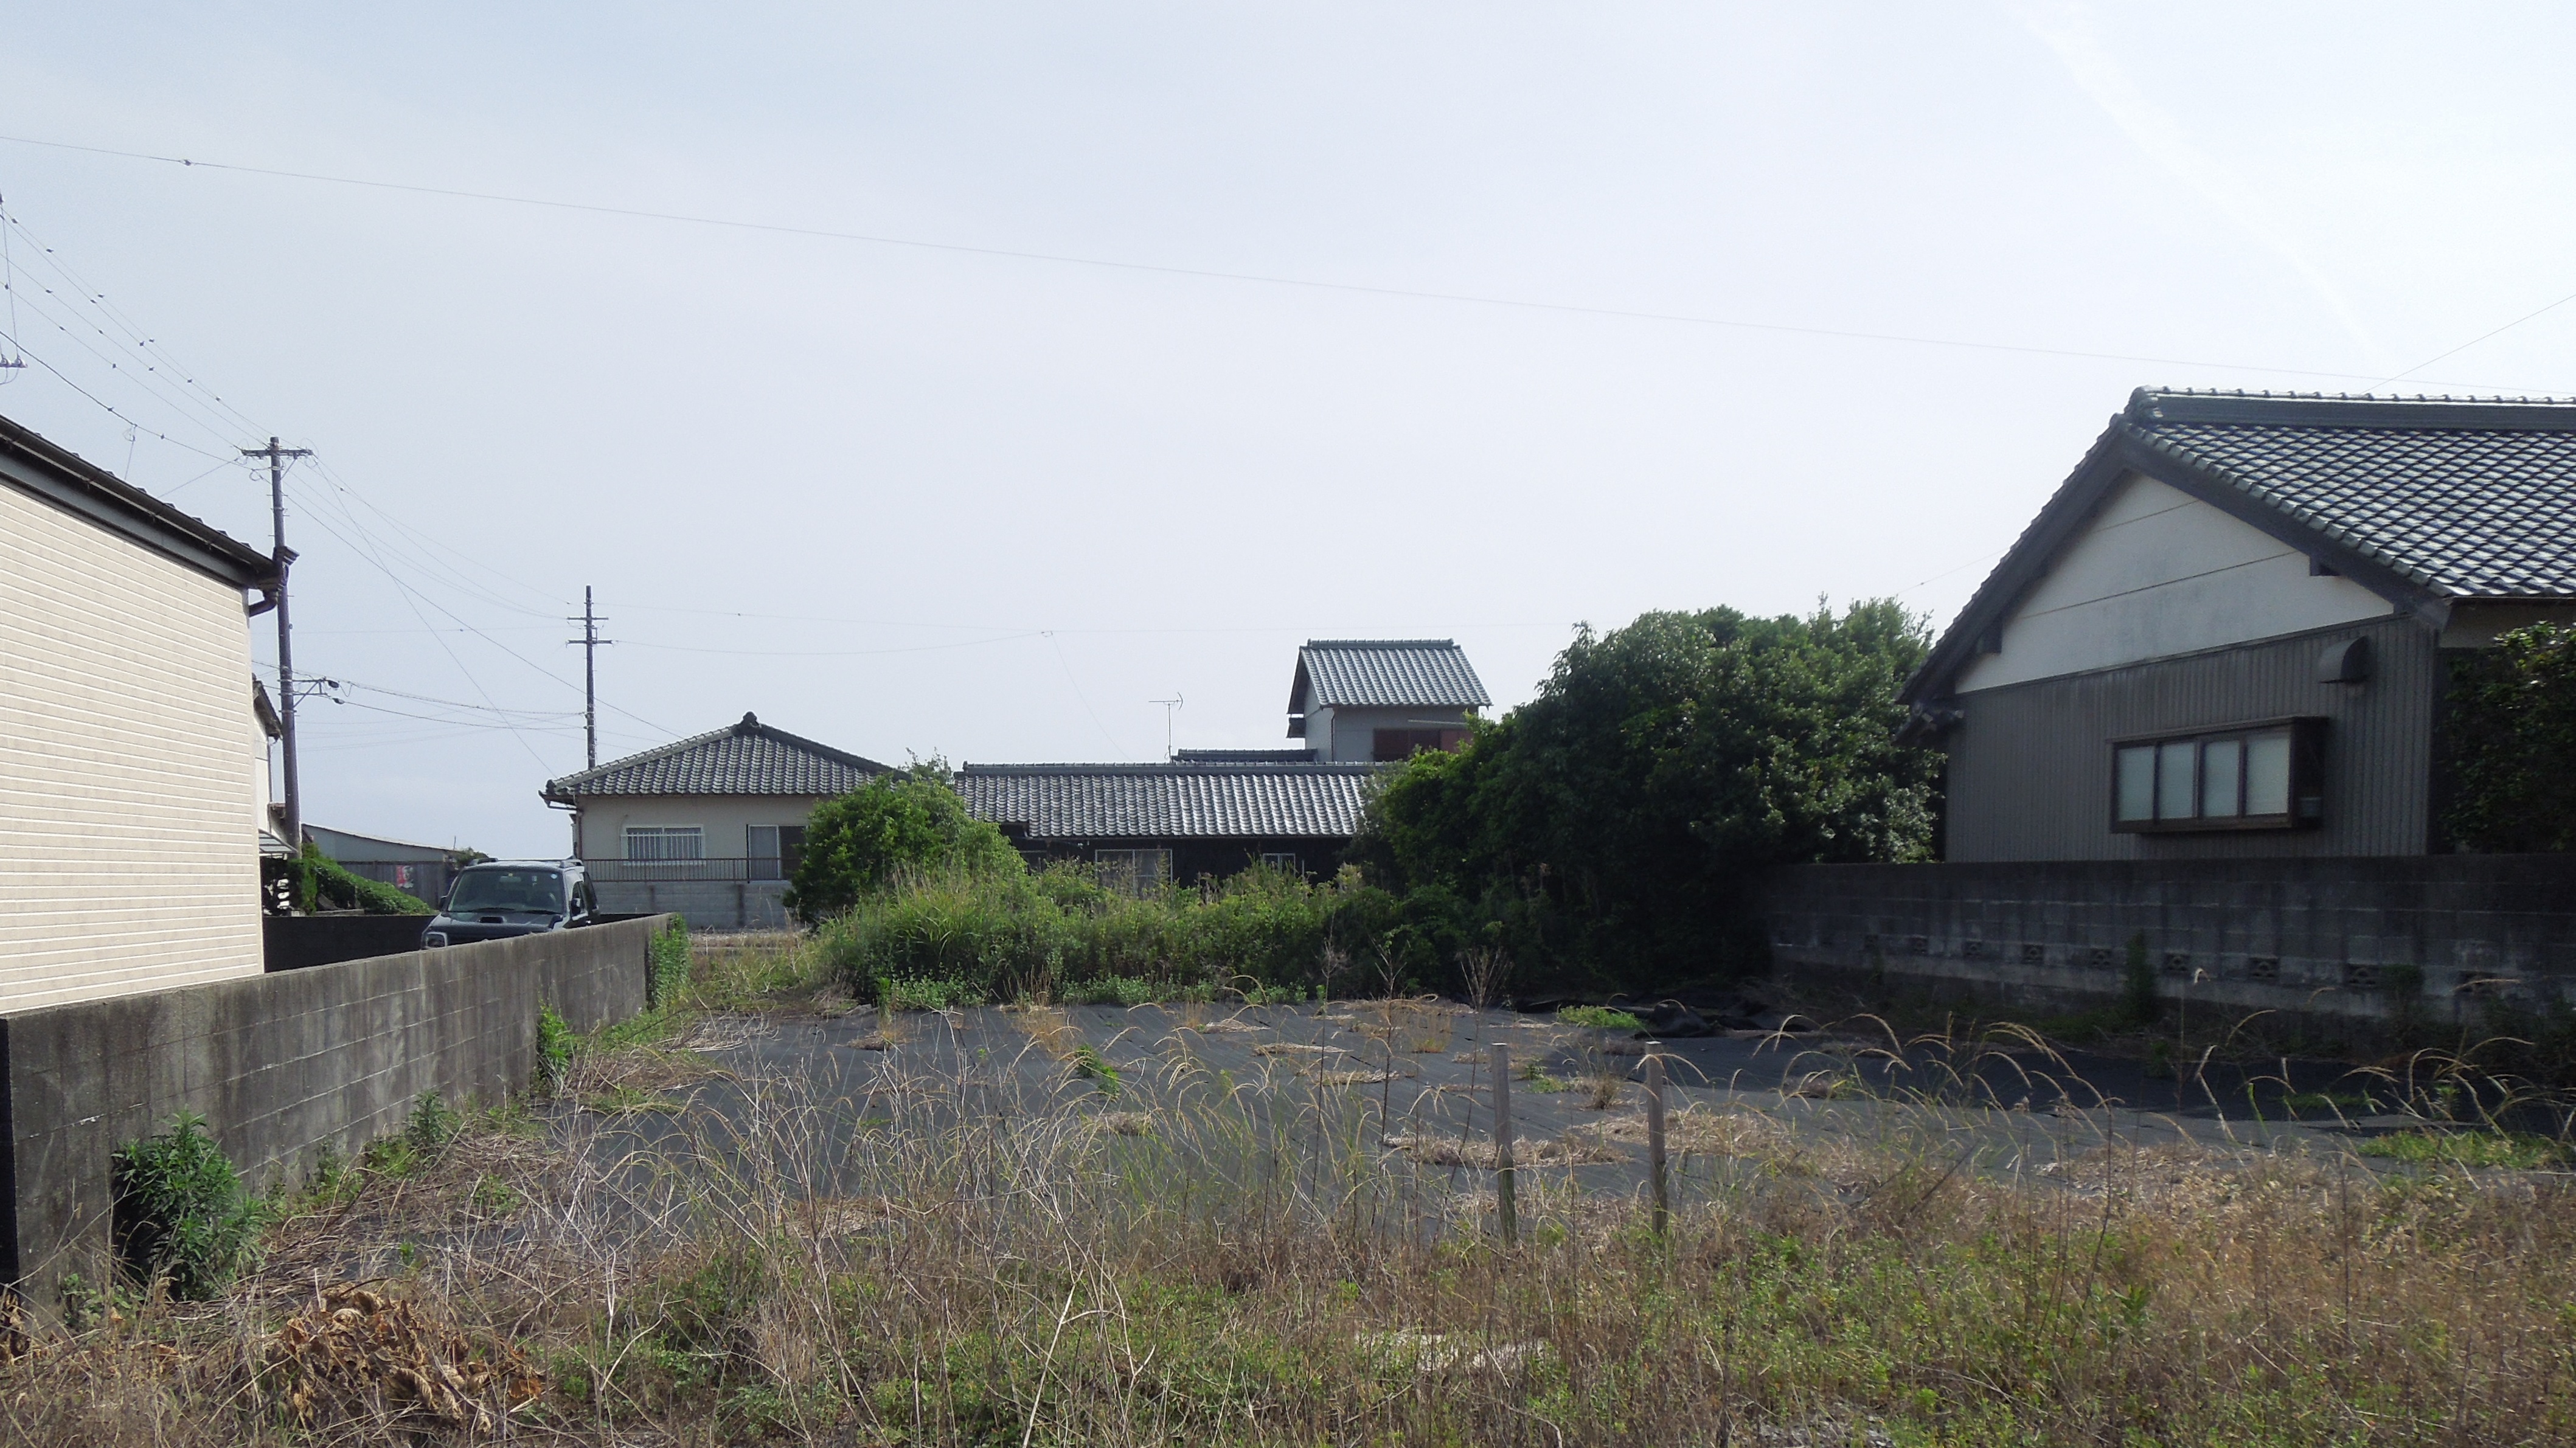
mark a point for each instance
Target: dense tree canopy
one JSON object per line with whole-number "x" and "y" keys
{"x": 1603, "y": 831}
{"x": 2511, "y": 732}
{"x": 912, "y": 821}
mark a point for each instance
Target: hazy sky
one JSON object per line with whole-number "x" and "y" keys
{"x": 910, "y": 500}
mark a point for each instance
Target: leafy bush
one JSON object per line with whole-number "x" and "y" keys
{"x": 897, "y": 824}
{"x": 322, "y": 883}
{"x": 2509, "y": 730}
{"x": 669, "y": 957}
{"x": 181, "y": 1213}
{"x": 1603, "y": 832}
{"x": 1062, "y": 934}
{"x": 1600, "y": 1018}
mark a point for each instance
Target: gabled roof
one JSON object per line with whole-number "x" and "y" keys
{"x": 2426, "y": 501}
{"x": 78, "y": 486}
{"x": 1195, "y": 800}
{"x": 1384, "y": 674}
{"x": 745, "y": 758}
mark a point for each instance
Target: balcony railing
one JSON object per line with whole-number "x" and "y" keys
{"x": 755, "y": 870}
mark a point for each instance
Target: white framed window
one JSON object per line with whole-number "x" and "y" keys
{"x": 666, "y": 842}
{"x": 2251, "y": 777}
{"x": 1134, "y": 871}
{"x": 1280, "y": 861}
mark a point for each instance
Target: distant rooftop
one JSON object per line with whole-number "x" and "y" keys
{"x": 1203, "y": 799}
{"x": 744, "y": 758}
{"x": 1384, "y": 674}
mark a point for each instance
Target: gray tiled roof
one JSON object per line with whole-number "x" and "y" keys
{"x": 2467, "y": 499}
{"x": 1170, "y": 801}
{"x": 2425, "y": 500}
{"x": 745, "y": 758}
{"x": 1385, "y": 674}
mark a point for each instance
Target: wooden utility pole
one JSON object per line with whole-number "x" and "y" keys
{"x": 284, "y": 556}
{"x": 590, "y": 642}
{"x": 1506, "y": 1208}
{"x": 1655, "y": 1142}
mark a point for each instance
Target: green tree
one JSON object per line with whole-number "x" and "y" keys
{"x": 1608, "y": 826}
{"x": 909, "y": 821}
{"x": 2511, "y": 732}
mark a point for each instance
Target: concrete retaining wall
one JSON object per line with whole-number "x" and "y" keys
{"x": 2330, "y": 936}
{"x": 281, "y": 1066}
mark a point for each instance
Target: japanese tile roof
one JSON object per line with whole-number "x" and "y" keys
{"x": 745, "y": 758}
{"x": 1184, "y": 800}
{"x": 2425, "y": 500}
{"x": 1384, "y": 674}
{"x": 1245, "y": 756}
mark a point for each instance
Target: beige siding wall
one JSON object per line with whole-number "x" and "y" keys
{"x": 128, "y": 767}
{"x": 726, "y": 819}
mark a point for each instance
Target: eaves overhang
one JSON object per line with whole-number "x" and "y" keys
{"x": 2124, "y": 449}
{"x": 72, "y": 483}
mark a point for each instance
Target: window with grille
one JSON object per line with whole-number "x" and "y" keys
{"x": 2252, "y": 777}
{"x": 1134, "y": 871}
{"x": 666, "y": 842}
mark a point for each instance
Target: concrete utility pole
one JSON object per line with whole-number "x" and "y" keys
{"x": 590, "y": 642}
{"x": 284, "y": 556}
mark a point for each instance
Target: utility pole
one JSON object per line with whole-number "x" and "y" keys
{"x": 284, "y": 556}
{"x": 590, "y": 642}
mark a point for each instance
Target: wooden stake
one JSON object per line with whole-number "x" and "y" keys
{"x": 1503, "y": 1144}
{"x": 1655, "y": 1143}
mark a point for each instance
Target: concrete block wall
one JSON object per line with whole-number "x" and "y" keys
{"x": 2321, "y": 936}
{"x": 706, "y": 904}
{"x": 282, "y": 1066}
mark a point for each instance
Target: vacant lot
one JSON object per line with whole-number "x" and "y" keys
{"x": 775, "y": 1218}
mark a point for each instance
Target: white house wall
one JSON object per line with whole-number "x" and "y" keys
{"x": 2158, "y": 574}
{"x": 130, "y": 767}
{"x": 726, "y": 819}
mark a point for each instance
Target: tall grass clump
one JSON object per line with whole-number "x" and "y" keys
{"x": 1061, "y": 932}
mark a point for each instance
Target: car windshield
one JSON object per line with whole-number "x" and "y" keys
{"x": 536, "y": 891}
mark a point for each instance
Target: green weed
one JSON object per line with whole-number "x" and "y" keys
{"x": 2517, "y": 1149}
{"x": 1600, "y": 1018}
{"x": 180, "y": 1211}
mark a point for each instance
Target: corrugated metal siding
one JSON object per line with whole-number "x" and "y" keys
{"x": 129, "y": 859}
{"x": 2030, "y": 765}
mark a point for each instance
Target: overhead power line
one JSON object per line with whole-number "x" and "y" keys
{"x": 634, "y": 213}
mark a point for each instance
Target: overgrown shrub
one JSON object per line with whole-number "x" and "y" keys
{"x": 1604, "y": 832}
{"x": 181, "y": 1213}
{"x": 908, "y": 823}
{"x": 322, "y": 883}
{"x": 2509, "y": 732}
{"x": 1061, "y": 933}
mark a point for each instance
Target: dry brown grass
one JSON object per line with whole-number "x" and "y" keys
{"x": 1571, "y": 1149}
{"x": 960, "y": 1259}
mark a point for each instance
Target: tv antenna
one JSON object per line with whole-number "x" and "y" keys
{"x": 1169, "y": 705}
